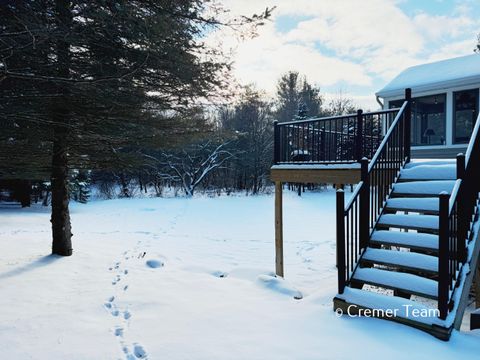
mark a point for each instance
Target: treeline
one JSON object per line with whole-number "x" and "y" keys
{"x": 229, "y": 149}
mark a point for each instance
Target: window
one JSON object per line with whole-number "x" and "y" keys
{"x": 465, "y": 113}
{"x": 428, "y": 119}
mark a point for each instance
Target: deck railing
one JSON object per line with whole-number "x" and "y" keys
{"x": 336, "y": 139}
{"x": 457, "y": 213}
{"x": 356, "y": 219}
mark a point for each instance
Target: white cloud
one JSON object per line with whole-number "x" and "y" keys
{"x": 348, "y": 43}
{"x": 265, "y": 58}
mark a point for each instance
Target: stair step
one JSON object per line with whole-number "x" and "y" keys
{"x": 407, "y": 283}
{"x": 423, "y": 162}
{"x": 423, "y": 205}
{"x": 422, "y": 188}
{"x": 413, "y": 222}
{"x": 402, "y": 259}
{"x": 429, "y": 172}
{"x": 410, "y": 240}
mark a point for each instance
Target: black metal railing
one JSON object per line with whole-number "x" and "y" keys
{"x": 356, "y": 219}
{"x": 336, "y": 139}
{"x": 457, "y": 213}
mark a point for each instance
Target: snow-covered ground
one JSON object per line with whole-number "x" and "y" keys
{"x": 189, "y": 279}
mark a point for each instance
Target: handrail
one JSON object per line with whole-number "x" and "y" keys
{"x": 355, "y": 193}
{"x": 475, "y": 133}
{"x": 454, "y": 195}
{"x": 387, "y": 137}
{"x": 356, "y": 219}
{"x": 306, "y": 121}
{"x": 457, "y": 212}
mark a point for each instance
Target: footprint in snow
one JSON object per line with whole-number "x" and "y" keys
{"x": 119, "y": 331}
{"x": 139, "y": 351}
{"x": 127, "y": 315}
{"x": 154, "y": 264}
{"x": 219, "y": 274}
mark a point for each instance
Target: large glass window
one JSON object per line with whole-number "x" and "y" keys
{"x": 465, "y": 114}
{"x": 428, "y": 119}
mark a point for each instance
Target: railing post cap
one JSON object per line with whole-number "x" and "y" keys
{"x": 460, "y": 155}
{"x": 359, "y": 111}
{"x": 275, "y": 122}
{"x": 364, "y": 158}
{"x": 444, "y": 193}
{"x": 340, "y": 191}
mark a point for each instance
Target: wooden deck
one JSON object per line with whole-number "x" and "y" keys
{"x": 319, "y": 174}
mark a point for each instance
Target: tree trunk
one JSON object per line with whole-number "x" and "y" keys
{"x": 61, "y": 227}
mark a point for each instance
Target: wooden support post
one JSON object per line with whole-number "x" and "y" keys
{"x": 278, "y": 229}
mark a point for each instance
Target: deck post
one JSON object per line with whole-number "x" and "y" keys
{"x": 408, "y": 124}
{"x": 278, "y": 229}
{"x": 364, "y": 221}
{"x": 359, "y": 137}
{"x": 462, "y": 217}
{"x": 276, "y": 142}
{"x": 443, "y": 256}
{"x": 341, "y": 240}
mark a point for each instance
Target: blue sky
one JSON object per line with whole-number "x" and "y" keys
{"x": 352, "y": 46}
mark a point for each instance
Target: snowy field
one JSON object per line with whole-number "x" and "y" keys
{"x": 189, "y": 279}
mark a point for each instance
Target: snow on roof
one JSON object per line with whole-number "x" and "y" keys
{"x": 461, "y": 71}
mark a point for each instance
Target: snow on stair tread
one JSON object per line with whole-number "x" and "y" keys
{"x": 403, "y": 307}
{"x": 422, "y": 162}
{"x": 424, "y": 204}
{"x": 430, "y": 172}
{"x": 410, "y": 283}
{"x": 406, "y": 239}
{"x": 402, "y": 258}
{"x": 410, "y": 221}
{"x": 424, "y": 187}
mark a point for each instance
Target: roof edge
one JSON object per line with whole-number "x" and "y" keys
{"x": 465, "y": 81}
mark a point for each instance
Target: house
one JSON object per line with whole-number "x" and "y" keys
{"x": 445, "y": 104}
{"x": 408, "y": 236}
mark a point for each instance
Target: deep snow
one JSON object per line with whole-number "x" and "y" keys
{"x": 189, "y": 279}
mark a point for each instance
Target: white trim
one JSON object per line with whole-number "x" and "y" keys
{"x": 449, "y": 119}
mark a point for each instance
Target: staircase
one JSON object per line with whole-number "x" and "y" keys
{"x": 408, "y": 236}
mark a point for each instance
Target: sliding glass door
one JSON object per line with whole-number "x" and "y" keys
{"x": 465, "y": 114}
{"x": 428, "y": 119}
